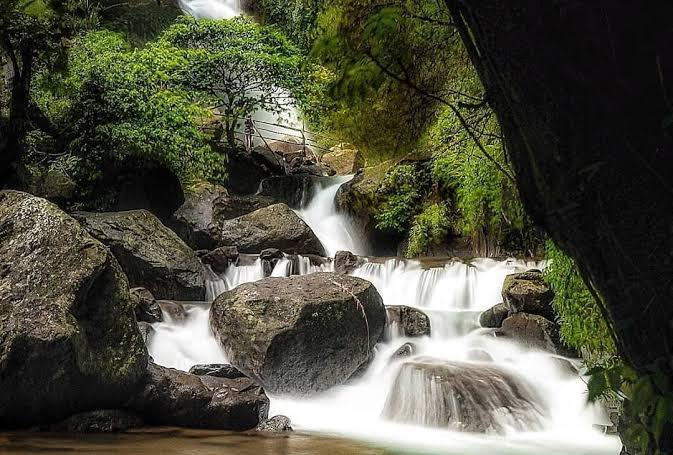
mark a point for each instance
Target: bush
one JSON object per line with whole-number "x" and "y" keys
{"x": 429, "y": 228}
{"x": 583, "y": 326}
{"x": 401, "y": 195}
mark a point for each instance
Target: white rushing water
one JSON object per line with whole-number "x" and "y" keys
{"x": 335, "y": 230}
{"x": 453, "y": 296}
{"x": 211, "y": 9}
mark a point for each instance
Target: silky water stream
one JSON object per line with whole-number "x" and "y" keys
{"x": 503, "y": 397}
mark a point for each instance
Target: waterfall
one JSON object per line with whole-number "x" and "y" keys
{"x": 334, "y": 229}
{"x": 211, "y": 9}
{"x": 460, "y": 390}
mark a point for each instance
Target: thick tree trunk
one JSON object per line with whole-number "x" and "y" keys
{"x": 583, "y": 91}
{"x": 584, "y": 94}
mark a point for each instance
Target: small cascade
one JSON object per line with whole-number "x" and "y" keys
{"x": 333, "y": 228}
{"x": 473, "y": 397}
{"x": 183, "y": 344}
{"x": 211, "y": 9}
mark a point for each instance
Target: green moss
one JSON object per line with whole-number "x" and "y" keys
{"x": 583, "y": 326}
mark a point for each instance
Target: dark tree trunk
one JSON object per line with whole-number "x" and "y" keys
{"x": 10, "y": 148}
{"x": 583, "y": 91}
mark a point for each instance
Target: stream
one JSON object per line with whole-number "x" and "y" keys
{"x": 453, "y": 296}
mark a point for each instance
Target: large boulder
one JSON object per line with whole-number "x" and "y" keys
{"x": 151, "y": 255}
{"x": 246, "y": 170}
{"x": 493, "y": 317}
{"x": 276, "y": 226}
{"x": 407, "y": 321}
{"x": 193, "y": 220}
{"x": 534, "y": 332}
{"x": 300, "y": 334}
{"x": 345, "y": 159}
{"x": 463, "y": 396}
{"x": 173, "y": 397}
{"x": 527, "y": 292}
{"x": 68, "y": 336}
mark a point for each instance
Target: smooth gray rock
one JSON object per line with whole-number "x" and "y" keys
{"x": 301, "y": 334}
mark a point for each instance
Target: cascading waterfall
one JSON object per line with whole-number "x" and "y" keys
{"x": 334, "y": 229}
{"x": 460, "y": 379}
{"x": 211, "y": 9}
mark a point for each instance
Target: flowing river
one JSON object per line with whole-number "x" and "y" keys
{"x": 558, "y": 420}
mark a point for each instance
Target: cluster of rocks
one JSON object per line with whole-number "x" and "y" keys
{"x": 526, "y": 314}
{"x": 73, "y": 351}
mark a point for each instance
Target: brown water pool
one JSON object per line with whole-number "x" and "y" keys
{"x": 169, "y": 441}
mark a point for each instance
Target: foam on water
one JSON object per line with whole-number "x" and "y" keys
{"x": 453, "y": 296}
{"x": 335, "y": 230}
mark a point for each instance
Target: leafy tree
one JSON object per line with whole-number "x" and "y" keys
{"x": 120, "y": 105}
{"x": 238, "y": 66}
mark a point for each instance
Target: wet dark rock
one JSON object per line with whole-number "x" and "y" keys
{"x": 293, "y": 190}
{"x": 345, "y": 262}
{"x": 493, "y": 317}
{"x": 410, "y": 322}
{"x": 276, "y": 226}
{"x": 217, "y": 370}
{"x": 173, "y": 397}
{"x": 175, "y": 311}
{"x": 145, "y": 306}
{"x": 221, "y": 258}
{"x": 527, "y": 292}
{"x": 271, "y": 253}
{"x": 230, "y": 207}
{"x": 406, "y": 350}
{"x": 534, "y": 332}
{"x": 192, "y": 221}
{"x": 277, "y": 424}
{"x": 146, "y": 331}
{"x": 247, "y": 170}
{"x": 101, "y": 421}
{"x": 151, "y": 255}
{"x": 301, "y": 334}
{"x": 68, "y": 336}
{"x": 471, "y": 397}
{"x": 308, "y": 166}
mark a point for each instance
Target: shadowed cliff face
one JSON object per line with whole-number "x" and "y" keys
{"x": 583, "y": 92}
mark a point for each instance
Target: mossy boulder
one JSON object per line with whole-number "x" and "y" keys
{"x": 68, "y": 336}
{"x": 302, "y": 334}
{"x": 527, "y": 292}
{"x": 276, "y": 226}
{"x": 151, "y": 255}
{"x": 345, "y": 159}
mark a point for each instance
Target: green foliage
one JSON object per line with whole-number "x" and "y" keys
{"x": 486, "y": 200}
{"x": 297, "y": 18}
{"x": 648, "y": 406}
{"x": 117, "y": 104}
{"x": 429, "y": 228}
{"x": 583, "y": 326}
{"x": 383, "y": 57}
{"x": 401, "y": 195}
{"x": 238, "y": 66}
